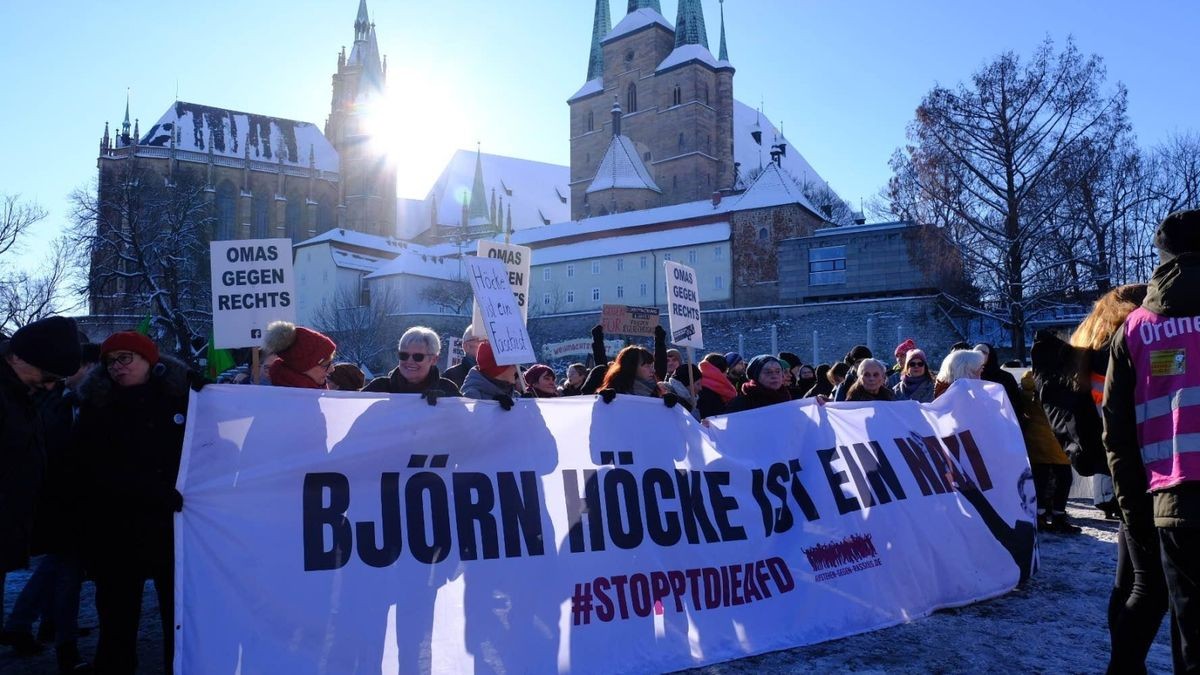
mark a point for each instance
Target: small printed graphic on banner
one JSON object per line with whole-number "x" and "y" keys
{"x": 848, "y": 555}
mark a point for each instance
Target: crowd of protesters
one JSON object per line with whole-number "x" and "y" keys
{"x": 91, "y": 437}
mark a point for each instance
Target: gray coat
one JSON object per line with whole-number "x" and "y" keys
{"x": 481, "y": 387}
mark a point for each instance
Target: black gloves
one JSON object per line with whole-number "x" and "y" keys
{"x": 196, "y": 381}
{"x": 505, "y": 401}
{"x": 670, "y": 399}
{"x": 660, "y": 333}
{"x": 597, "y": 332}
{"x": 175, "y": 500}
{"x": 608, "y": 394}
{"x": 430, "y": 396}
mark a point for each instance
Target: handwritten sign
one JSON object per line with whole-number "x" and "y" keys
{"x": 516, "y": 261}
{"x": 625, "y": 320}
{"x": 501, "y": 317}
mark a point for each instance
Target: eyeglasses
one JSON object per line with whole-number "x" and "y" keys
{"x": 913, "y": 364}
{"x": 417, "y": 357}
{"x": 123, "y": 359}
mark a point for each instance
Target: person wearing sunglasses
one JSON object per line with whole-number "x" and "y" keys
{"x": 916, "y": 382}
{"x": 417, "y": 371}
{"x": 304, "y": 357}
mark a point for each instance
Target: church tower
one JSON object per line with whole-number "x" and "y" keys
{"x": 675, "y": 100}
{"x": 367, "y": 170}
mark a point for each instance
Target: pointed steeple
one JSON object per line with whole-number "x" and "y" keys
{"x": 635, "y": 5}
{"x": 601, "y": 24}
{"x": 723, "y": 54}
{"x": 362, "y": 24}
{"x": 477, "y": 212}
{"x": 689, "y": 24}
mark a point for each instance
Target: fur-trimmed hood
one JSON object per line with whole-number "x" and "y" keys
{"x": 169, "y": 376}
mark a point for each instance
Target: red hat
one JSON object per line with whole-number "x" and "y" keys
{"x": 299, "y": 348}
{"x": 535, "y": 373}
{"x": 485, "y": 360}
{"x": 904, "y": 347}
{"x": 129, "y": 341}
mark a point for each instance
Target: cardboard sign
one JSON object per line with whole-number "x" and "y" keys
{"x": 516, "y": 261}
{"x": 683, "y": 305}
{"x": 252, "y": 285}
{"x": 560, "y": 350}
{"x": 501, "y": 316}
{"x": 625, "y": 320}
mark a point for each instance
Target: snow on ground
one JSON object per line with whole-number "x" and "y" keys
{"x": 1054, "y": 623}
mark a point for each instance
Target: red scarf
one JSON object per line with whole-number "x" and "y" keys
{"x": 713, "y": 379}
{"x": 758, "y": 393}
{"x": 282, "y": 376}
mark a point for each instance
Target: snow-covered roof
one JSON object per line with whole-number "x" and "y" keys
{"x": 356, "y": 261}
{"x": 340, "y": 235}
{"x": 622, "y": 168}
{"x": 593, "y": 86}
{"x": 537, "y": 192}
{"x": 859, "y": 229}
{"x": 687, "y": 53}
{"x": 772, "y": 187}
{"x": 229, "y": 132}
{"x": 415, "y": 263}
{"x": 752, "y": 155}
{"x": 648, "y": 241}
{"x": 635, "y": 21}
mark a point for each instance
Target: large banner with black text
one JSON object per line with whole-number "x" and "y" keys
{"x": 339, "y": 532}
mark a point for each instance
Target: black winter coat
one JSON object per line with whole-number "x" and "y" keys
{"x": 55, "y": 525}
{"x": 394, "y": 383}
{"x": 1062, "y": 376}
{"x": 22, "y": 464}
{"x": 457, "y": 374}
{"x": 129, "y": 441}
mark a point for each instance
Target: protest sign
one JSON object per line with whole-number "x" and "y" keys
{"x": 626, "y": 320}
{"x": 502, "y": 318}
{"x": 555, "y": 351}
{"x": 683, "y": 305}
{"x": 342, "y": 531}
{"x": 516, "y": 261}
{"x": 252, "y": 285}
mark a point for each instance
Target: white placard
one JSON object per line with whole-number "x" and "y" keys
{"x": 516, "y": 262}
{"x": 501, "y": 317}
{"x": 252, "y": 285}
{"x": 683, "y": 305}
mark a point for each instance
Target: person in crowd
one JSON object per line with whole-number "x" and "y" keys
{"x": 489, "y": 381}
{"x": 576, "y": 374}
{"x": 1051, "y": 467}
{"x": 686, "y": 382}
{"x": 632, "y": 373}
{"x": 129, "y": 440}
{"x": 959, "y": 346}
{"x": 303, "y": 356}
{"x": 52, "y": 591}
{"x": 417, "y": 371}
{"x": 897, "y": 370}
{"x": 595, "y": 379}
{"x": 958, "y": 364}
{"x": 992, "y": 372}
{"x": 37, "y": 358}
{"x": 871, "y": 383}
{"x": 1149, "y": 415}
{"x": 791, "y": 374}
{"x": 858, "y": 353}
{"x": 716, "y": 391}
{"x": 917, "y": 382}
{"x": 806, "y": 377}
{"x": 765, "y": 386}
{"x": 736, "y": 369}
{"x": 540, "y": 381}
{"x": 674, "y": 359}
{"x": 470, "y": 343}
{"x": 823, "y": 386}
{"x": 345, "y": 377}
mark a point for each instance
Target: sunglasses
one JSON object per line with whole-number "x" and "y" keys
{"x": 123, "y": 359}
{"x": 417, "y": 357}
{"x": 916, "y": 363}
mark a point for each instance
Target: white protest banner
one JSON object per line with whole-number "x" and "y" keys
{"x": 683, "y": 305}
{"x": 333, "y": 532}
{"x": 501, "y": 316}
{"x": 252, "y": 285}
{"x": 627, "y": 320}
{"x": 560, "y": 350}
{"x": 516, "y": 261}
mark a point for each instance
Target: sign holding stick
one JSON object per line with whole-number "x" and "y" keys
{"x": 501, "y": 316}
{"x": 252, "y": 285}
{"x": 624, "y": 320}
{"x": 516, "y": 261}
{"x": 683, "y": 305}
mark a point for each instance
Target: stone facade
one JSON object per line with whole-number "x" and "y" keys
{"x": 756, "y": 237}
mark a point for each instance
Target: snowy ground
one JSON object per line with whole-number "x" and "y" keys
{"x": 1055, "y": 623}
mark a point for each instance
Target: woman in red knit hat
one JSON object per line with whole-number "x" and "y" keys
{"x": 490, "y": 381}
{"x": 304, "y": 356}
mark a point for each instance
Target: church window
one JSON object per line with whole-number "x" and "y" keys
{"x": 293, "y": 219}
{"x": 226, "y": 212}
{"x": 631, "y": 98}
{"x": 591, "y": 121}
{"x": 677, "y": 96}
{"x": 763, "y": 234}
{"x": 259, "y": 218}
{"x": 628, "y": 55}
{"x": 704, "y": 91}
{"x": 646, "y": 156}
{"x": 325, "y": 219}
{"x": 674, "y": 181}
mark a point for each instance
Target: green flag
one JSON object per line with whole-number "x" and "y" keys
{"x": 144, "y": 326}
{"x": 219, "y": 360}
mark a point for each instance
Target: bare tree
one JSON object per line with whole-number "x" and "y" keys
{"x": 985, "y": 164}
{"x": 28, "y": 296}
{"x": 17, "y": 217}
{"x": 453, "y": 297}
{"x": 361, "y": 331}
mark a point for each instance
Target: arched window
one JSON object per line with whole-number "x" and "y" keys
{"x": 677, "y": 96}
{"x": 293, "y": 218}
{"x": 259, "y": 217}
{"x": 325, "y": 219}
{"x": 631, "y": 98}
{"x": 591, "y": 121}
{"x": 705, "y": 92}
{"x": 226, "y": 212}
{"x": 763, "y": 234}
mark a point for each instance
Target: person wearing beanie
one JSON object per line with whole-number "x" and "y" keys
{"x": 490, "y": 381}
{"x": 304, "y": 357}
{"x": 856, "y": 354}
{"x": 764, "y": 386}
{"x": 470, "y": 343}
{"x": 917, "y": 382}
{"x": 791, "y": 374}
{"x": 735, "y": 369}
{"x": 345, "y": 377}
{"x": 1155, "y": 357}
{"x": 417, "y": 371}
{"x": 897, "y": 370}
{"x": 540, "y": 382}
{"x": 132, "y": 413}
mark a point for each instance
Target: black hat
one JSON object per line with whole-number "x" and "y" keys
{"x": 858, "y": 353}
{"x": 1177, "y": 234}
{"x": 790, "y": 359}
{"x": 51, "y": 344}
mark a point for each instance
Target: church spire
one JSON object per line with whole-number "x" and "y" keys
{"x": 601, "y": 24}
{"x": 362, "y": 24}
{"x": 689, "y": 24}
{"x": 723, "y": 55}
{"x": 635, "y": 5}
{"x": 477, "y": 212}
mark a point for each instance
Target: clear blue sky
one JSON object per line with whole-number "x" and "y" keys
{"x": 844, "y": 77}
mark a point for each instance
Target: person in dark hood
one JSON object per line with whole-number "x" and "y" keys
{"x": 1150, "y": 411}
{"x": 303, "y": 356}
{"x": 993, "y": 373}
{"x": 129, "y": 441}
{"x": 765, "y": 386}
{"x": 417, "y": 372}
{"x": 490, "y": 381}
{"x": 823, "y": 386}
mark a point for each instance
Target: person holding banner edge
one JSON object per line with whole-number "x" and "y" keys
{"x": 417, "y": 372}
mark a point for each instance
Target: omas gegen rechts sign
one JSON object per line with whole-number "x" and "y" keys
{"x": 252, "y": 285}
